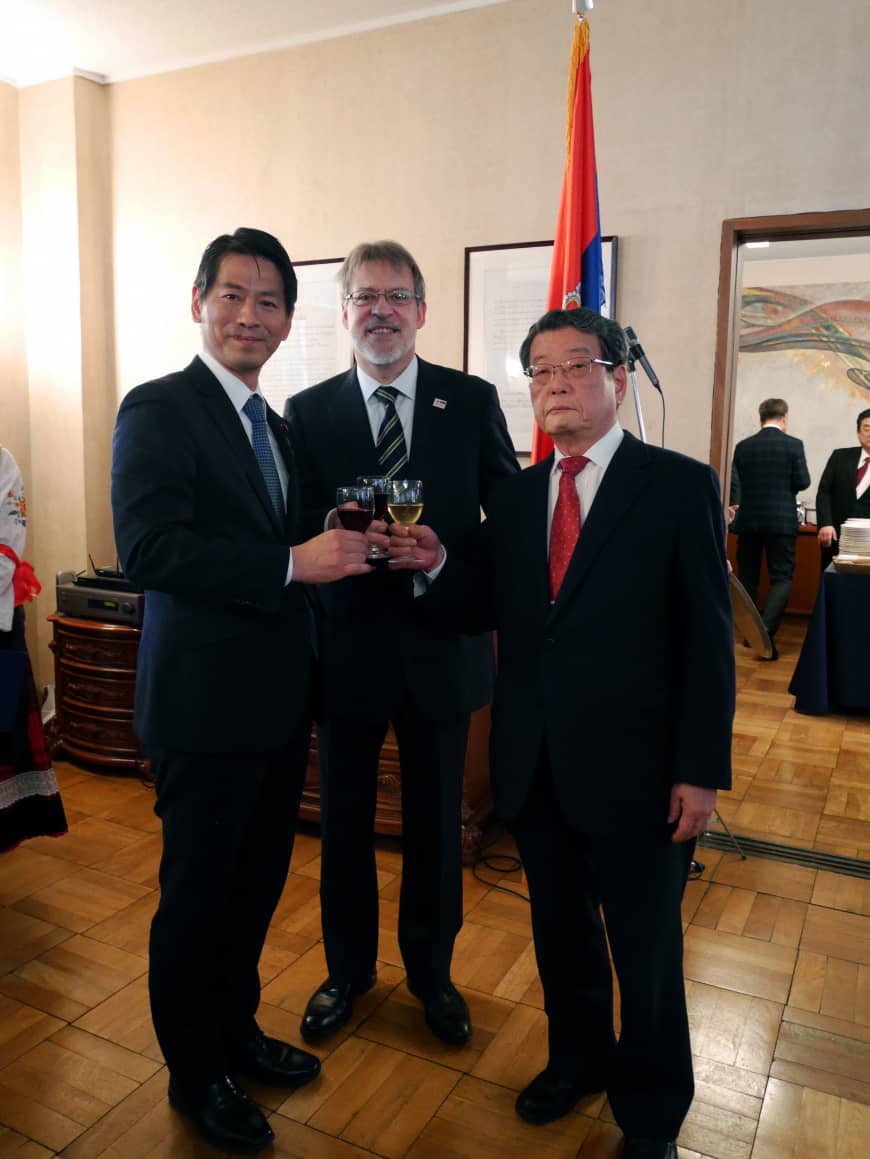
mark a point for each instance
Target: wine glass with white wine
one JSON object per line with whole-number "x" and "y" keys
{"x": 405, "y": 500}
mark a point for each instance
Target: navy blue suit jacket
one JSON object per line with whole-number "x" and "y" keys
{"x": 373, "y": 650}
{"x": 225, "y": 651}
{"x": 629, "y": 676}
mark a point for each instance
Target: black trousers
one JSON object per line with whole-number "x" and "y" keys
{"x": 432, "y": 761}
{"x": 779, "y": 553}
{"x": 637, "y": 878}
{"x": 228, "y": 825}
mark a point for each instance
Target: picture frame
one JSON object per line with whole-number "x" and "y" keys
{"x": 318, "y": 345}
{"x": 505, "y": 291}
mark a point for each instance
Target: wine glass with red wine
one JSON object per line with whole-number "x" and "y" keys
{"x": 380, "y": 484}
{"x": 355, "y": 506}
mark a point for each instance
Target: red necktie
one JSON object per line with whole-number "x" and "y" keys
{"x": 862, "y": 471}
{"x": 566, "y": 521}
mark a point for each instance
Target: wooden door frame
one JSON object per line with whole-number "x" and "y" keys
{"x": 736, "y": 231}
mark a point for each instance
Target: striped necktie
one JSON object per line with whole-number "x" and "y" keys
{"x": 392, "y": 452}
{"x": 565, "y": 528}
{"x": 862, "y": 471}
{"x": 255, "y": 409}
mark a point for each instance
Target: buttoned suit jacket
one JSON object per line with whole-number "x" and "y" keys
{"x": 373, "y": 650}
{"x": 835, "y": 498}
{"x": 224, "y": 657}
{"x": 768, "y": 471}
{"x": 628, "y": 677}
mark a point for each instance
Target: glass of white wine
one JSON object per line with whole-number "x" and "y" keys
{"x": 405, "y": 500}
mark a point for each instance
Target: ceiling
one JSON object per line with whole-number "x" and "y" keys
{"x": 116, "y": 40}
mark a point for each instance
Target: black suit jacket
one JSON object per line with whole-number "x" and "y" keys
{"x": 769, "y": 469}
{"x": 629, "y": 676}
{"x": 372, "y": 648}
{"x": 835, "y": 498}
{"x": 224, "y": 656}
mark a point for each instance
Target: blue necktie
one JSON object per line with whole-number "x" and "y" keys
{"x": 255, "y": 409}
{"x": 392, "y": 452}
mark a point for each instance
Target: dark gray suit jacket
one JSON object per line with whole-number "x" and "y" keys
{"x": 768, "y": 471}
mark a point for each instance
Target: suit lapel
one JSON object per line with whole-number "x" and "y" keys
{"x": 430, "y": 423}
{"x": 225, "y": 420}
{"x": 529, "y": 518}
{"x": 352, "y": 432}
{"x": 624, "y": 481}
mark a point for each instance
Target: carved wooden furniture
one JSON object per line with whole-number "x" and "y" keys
{"x": 95, "y": 677}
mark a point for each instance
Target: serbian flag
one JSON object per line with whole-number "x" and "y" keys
{"x": 577, "y": 274}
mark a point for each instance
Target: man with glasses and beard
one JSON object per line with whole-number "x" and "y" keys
{"x": 394, "y": 415}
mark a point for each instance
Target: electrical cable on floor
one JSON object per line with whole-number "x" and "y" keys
{"x": 508, "y": 864}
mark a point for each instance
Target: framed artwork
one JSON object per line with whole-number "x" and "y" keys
{"x": 318, "y": 346}
{"x": 505, "y": 291}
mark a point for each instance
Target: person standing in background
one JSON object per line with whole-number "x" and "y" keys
{"x": 844, "y": 490}
{"x": 205, "y": 510}
{"x": 395, "y": 415}
{"x": 768, "y": 471}
{"x": 30, "y": 804}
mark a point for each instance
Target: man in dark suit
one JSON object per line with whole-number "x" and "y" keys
{"x": 205, "y": 508}
{"x": 394, "y": 414}
{"x": 844, "y": 490}
{"x": 768, "y": 470}
{"x": 603, "y": 571}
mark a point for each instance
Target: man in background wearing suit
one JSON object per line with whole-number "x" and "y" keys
{"x": 844, "y": 490}
{"x": 603, "y": 571}
{"x": 394, "y": 414}
{"x": 205, "y": 507}
{"x": 768, "y": 470}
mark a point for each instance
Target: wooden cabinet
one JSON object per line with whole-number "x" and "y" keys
{"x": 807, "y": 571}
{"x": 95, "y": 678}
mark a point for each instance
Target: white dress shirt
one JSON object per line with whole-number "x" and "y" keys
{"x": 589, "y": 479}
{"x": 406, "y": 385}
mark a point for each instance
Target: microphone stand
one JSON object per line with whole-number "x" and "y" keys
{"x": 638, "y": 410}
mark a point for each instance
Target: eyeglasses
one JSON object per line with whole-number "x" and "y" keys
{"x": 575, "y": 370}
{"x": 397, "y": 298}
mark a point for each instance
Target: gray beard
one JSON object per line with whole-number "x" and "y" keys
{"x": 380, "y": 357}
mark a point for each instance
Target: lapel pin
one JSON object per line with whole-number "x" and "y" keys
{"x": 441, "y": 403}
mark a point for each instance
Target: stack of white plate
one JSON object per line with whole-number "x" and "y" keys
{"x": 855, "y": 539}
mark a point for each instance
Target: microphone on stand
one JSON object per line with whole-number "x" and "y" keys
{"x": 636, "y": 354}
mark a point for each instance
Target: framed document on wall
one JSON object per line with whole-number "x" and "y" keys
{"x": 505, "y": 292}
{"x": 318, "y": 346}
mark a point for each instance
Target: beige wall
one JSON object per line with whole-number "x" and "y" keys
{"x": 443, "y": 133}
{"x": 449, "y": 132}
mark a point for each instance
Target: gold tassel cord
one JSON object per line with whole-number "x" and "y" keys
{"x": 579, "y": 47}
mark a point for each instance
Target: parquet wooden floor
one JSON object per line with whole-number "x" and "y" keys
{"x": 777, "y": 969}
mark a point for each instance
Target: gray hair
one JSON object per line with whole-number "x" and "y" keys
{"x": 380, "y": 251}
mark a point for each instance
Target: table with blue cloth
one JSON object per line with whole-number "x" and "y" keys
{"x": 833, "y": 672}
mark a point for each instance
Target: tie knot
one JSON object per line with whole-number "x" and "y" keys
{"x": 254, "y": 409}
{"x": 387, "y": 394}
{"x": 573, "y": 464}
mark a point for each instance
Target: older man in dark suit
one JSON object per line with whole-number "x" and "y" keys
{"x": 768, "y": 470}
{"x": 603, "y": 570}
{"x": 844, "y": 490}
{"x": 394, "y": 414}
{"x": 205, "y": 508}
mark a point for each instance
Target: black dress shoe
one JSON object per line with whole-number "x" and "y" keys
{"x": 774, "y": 653}
{"x": 268, "y": 1060}
{"x": 445, "y": 1011}
{"x": 225, "y": 1117}
{"x": 331, "y": 1005}
{"x": 649, "y": 1149}
{"x": 550, "y": 1096}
